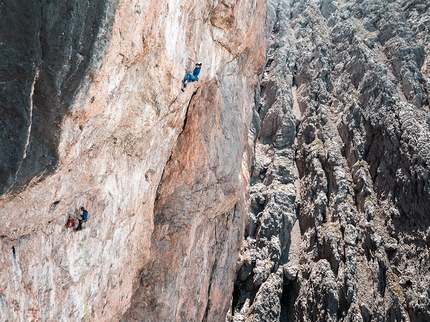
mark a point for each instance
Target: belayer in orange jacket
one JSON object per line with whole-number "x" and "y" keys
{"x": 70, "y": 223}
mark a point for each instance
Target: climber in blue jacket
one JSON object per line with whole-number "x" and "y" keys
{"x": 83, "y": 218}
{"x": 192, "y": 77}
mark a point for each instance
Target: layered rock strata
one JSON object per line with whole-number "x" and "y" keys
{"x": 91, "y": 114}
{"x": 350, "y": 80}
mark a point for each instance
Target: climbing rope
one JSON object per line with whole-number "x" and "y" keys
{"x": 84, "y": 274}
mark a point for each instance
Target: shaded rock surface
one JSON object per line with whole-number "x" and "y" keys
{"x": 48, "y": 51}
{"x": 340, "y": 181}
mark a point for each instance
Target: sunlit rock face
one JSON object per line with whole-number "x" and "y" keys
{"x": 93, "y": 115}
{"x": 338, "y": 228}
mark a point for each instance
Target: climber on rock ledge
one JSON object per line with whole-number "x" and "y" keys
{"x": 191, "y": 77}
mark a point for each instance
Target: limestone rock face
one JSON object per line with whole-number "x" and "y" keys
{"x": 91, "y": 112}
{"x": 340, "y": 194}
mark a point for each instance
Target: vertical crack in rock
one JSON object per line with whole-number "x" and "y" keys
{"x": 211, "y": 274}
{"x": 30, "y": 114}
{"x": 179, "y": 135}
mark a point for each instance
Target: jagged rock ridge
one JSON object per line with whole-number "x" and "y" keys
{"x": 350, "y": 79}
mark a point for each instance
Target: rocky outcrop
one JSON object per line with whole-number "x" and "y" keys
{"x": 91, "y": 116}
{"x": 351, "y": 242}
{"x": 274, "y": 199}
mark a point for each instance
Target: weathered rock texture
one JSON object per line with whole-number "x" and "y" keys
{"x": 337, "y": 225}
{"x": 91, "y": 111}
{"x": 343, "y": 115}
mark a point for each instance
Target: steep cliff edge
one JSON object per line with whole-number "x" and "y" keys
{"x": 343, "y": 115}
{"x": 91, "y": 113}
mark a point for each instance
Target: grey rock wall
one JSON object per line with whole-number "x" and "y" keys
{"x": 344, "y": 103}
{"x": 47, "y": 52}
